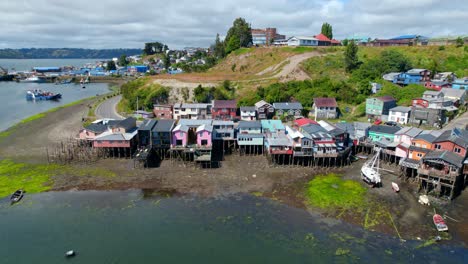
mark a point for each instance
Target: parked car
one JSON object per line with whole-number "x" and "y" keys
{"x": 391, "y": 123}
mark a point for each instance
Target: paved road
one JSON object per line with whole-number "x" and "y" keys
{"x": 460, "y": 122}
{"x": 107, "y": 109}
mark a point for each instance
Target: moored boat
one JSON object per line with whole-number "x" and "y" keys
{"x": 42, "y": 95}
{"x": 395, "y": 187}
{"x": 370, "y": 171}
{"x": 439, "y": 223}
{"x": 31, "y": 79}
{"x": 16, "y": 196}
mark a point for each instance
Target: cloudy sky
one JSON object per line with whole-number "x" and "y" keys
{"x": 180, "y": 23}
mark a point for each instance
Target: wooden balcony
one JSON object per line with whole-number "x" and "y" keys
{"x": 450, "y": 175}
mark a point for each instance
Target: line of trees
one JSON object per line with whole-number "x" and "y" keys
{"x": 238, "y": 36}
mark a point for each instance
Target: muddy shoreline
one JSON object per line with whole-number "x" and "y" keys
{"x": 238, "y": 174}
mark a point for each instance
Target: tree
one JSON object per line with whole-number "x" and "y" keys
{"x": 459, "y": 42}
{"x": 345, "y": 42}
{"x": 351, "y": 57}
{"x": 218, "y": 48}
{"x": 327, "y": 30}
{"x": 111, "y": 66}
{"x": 167, "y": 61}
{"x": 123, "y": 60}
{"x": 154, "y": 48}
{"x": 239, "y": 35}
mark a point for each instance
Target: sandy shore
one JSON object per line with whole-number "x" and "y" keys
{"x": 248, "y": 174}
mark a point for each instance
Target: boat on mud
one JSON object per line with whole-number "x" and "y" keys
{"x": 42, "y": 95}
{"x": 395, "y": 187}
{"x": 370, "y": 171}
{"x": 439, "y": 223}
{"x": 16, "y": 196}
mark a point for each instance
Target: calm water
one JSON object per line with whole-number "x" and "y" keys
{"x": 129, "y": 227}
{"x": 13, "y": 104}
{"x": 14, "y": 107}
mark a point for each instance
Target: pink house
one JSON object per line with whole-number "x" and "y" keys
{"x": 404, "y": 137}
{"x": 180, "y": 136}
{"x": 204, "y": 136}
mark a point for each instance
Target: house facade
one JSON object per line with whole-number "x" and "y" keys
{"x": 162, "y": 111}
{"x": 414, "y": 76}
{"x": 224, "y": 109}
{"x": 437, "y": 85}
{"x": 192, "y": 111}
{"x": 179, "y": 136}
{"x": 162, "y": 133}
{"x": 379, "y": 132}
{"x": 460, "y": 83}
{"x": 204, "y": 136}
{"x": 223, "y": 130}
{"x": 250, "y": 137}
{"x": 302, "y": 41}
{"x": 325, "y": 108}
{"x": 455, "y": 141}
{"x": 248, "y": 113}
{"x": 144, "y": 133}
{"x": 378, "y": 106}
{"x": 288, "y": 110}
{"x": 399, "y": 114}
{"x": 302, "y": 143}
{"x": 264, "y": 110}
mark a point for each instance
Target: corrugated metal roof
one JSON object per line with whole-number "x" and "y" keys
{"x": 208, "y": 128}
{"x": 147, "y": 125}
{"x": 401, "y": 109}
{"x": 195, "y": 122}
{"x": 272, "y": 125}
{"x": 249, "y": 124}
{"x": 164, "y": 125}
{"x": 224, "y": 104}
{"x": 247, "y": 108}
{"x": 287, "y": 106}
{"x": 446, "y": 156}
{"x": 325, "y": 102}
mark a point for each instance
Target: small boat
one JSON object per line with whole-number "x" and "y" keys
{"x": 16, "y": 196}
{"x": 370, "y": 171}
{"x": 41, "y": 95}
{"x": 70, "y": 254}
{"x": 395, "y": 187}
{"x": 439, "y": 223}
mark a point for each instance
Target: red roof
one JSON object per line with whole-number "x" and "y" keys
{"x": 334, "y": 41}
{"x": 224, "y": 104}
{"x": 325, "y": 102}
{"x": 322, "y": 37}
{"x": 304, "y": 121}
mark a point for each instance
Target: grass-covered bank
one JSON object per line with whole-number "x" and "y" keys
{"x": 36, "y": 178}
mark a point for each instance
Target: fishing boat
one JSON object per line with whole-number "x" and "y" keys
{"x": 70, "y": 253}
{"x": 439, "y": 223}
{"x": 31, "y": 79}
{"x": 395, "y": 187}
{"x": 370, "y": 171}
{"x": 42, "y": 95}
{"x": 16, "y": 196}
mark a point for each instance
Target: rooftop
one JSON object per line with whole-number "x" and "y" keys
{"x": 287, "y": 106}
{"x": 272, "y": 125}
{"x": 247, "y": 108}
{"x": 325, "y": 102}
{"x": 249, "y": 124}
{"x": 384, "y": 129}
{"x": 401, "y": 109}
{"x": 164, "y": 125}
{"x": 224, "y": 104}
{"x": 446, "y": 156}
{"x": 386, "y": 98}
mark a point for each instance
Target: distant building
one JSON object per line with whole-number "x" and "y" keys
{"x": 265, "y": 36}
{"x": 325, "y": 108}
{"x": 248, "y": 113}
{"x": 323, "y": 40}
{"x": 224, "y": 109}
{"x": 264, "y": 110}
{"x": 413, "y": 76}
{"x": 460, "y": 83}
{"x": 399, "y": 114}
{"x": 288, "y": 110}
{"x": 437, "y": 85}
{"x": 162, "y": 111}
{"x": 303, "y": 41}
{"x": 191, "y": 111}
{"x": 378, "y": 106}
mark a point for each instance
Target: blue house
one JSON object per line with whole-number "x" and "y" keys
{"x": 414, "y": 76}
{"x": 460, "y": 83}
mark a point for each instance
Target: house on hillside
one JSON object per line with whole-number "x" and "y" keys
{"x": 460, "y": 84}
{"x": 264, "y": 110}
{"x": 302, "y": 41}
{"x": 458, "y": 97}
{"x": 323, "y": 40}
{"x": 248, "y": 113}
{"x": 325, "y": 108}
{"x": 191, "y": 111}
{"x": 444, "y": 77}
{"x": 399, "y": 114}
{"x": 224, "y": 109}
{"x": 437, "y": 85}
{"x": 288, "y": 110}
{"x": 162, "y": 111}
{"x": 378, "y": 106}
{"x": 414, "y": 76}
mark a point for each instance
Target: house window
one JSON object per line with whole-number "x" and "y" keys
{"x": 181, "y": 134}
{"x": 457, "y": 150}
{"x": 419, "y": 155}
{"x": 437, "y": 146}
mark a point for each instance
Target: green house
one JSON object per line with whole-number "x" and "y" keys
{"x": 378, "y": 132}
{"x": 378, "y": 106}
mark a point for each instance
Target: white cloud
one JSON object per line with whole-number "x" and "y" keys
{"x": 118, "y": 23}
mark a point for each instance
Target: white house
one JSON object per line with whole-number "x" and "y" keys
{"x": 191, "y": 111}
{"x": 399, "y": 114}
{"x": 302, "y": 41}
{"x": 248, "y": 113}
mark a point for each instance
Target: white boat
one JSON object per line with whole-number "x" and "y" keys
{"x": 395, "y": 187}
{"x": 31, "y": 79}
{"x": 424, "y": 200}
{"x": 370, "y": 171}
